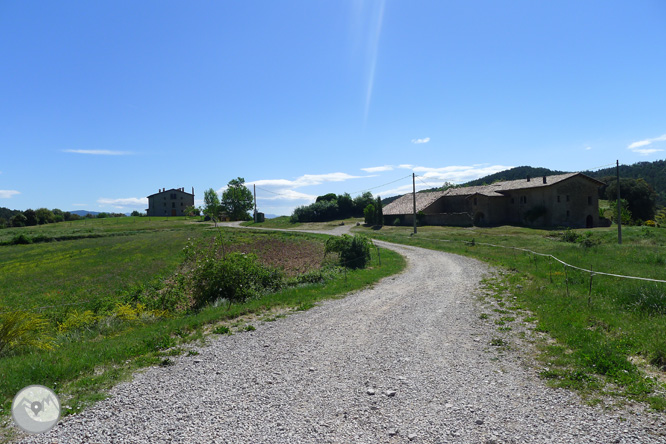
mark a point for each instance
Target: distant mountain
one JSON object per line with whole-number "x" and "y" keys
{"x": 84, "y": 213}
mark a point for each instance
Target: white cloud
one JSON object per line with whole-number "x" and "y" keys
{"x": 458, "y": 173}
{"x": 7, "y": 194}
{"x": 139, "y": 202}
{"x": 99, "y": 152}
{"x": 305, "y": 180}
{"x": 378, "y": 169}
{"x": 424, "y": 140}
{"x": 406, "y": 166}
{"x": 636, "y": 146}
{"x": 588, "y": 148}
{"x": 288, "y": 195}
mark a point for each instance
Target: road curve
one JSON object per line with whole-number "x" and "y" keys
{"x": 407, "y": 360}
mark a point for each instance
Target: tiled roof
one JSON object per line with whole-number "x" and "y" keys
{"x": 404, "y": 205}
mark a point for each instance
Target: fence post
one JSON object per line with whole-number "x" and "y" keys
{"x": 566, "y": 279}
{"x": 589, "y": 295}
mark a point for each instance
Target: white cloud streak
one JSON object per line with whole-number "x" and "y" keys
{"x": 8, "y": 194}
{"x": 636, "y": 146}
{"x": 373, "y": 50}
{"x": 378, "y": 169}
{"x": 99, "y": 152}
{"x": 134, "y": 202}
{"x": 419, "y": 141}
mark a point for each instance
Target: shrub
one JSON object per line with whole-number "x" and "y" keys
{"x": 354, "y": 251}
{"x": 21, "y": 239}
{"x": 570, "y": 235}
{"x": 21, "y": 329}
{"x": 76, "y": 321}
{"x": 236, "y": 277}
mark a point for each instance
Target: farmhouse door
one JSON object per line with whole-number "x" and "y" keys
{"x": 173, "y": 212}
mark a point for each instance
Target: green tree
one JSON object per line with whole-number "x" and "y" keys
{"x": 237, "y": 200}
{"x": 379, "y": 216}
{"x": 345, "y": 206}
{"x": 58, "y": 215}
{"x": 44, "y": 216}
{"x": 361, "y": 202}
{"x": 212, "y": 207}
{"x": 640, "y": 197}
{"x": 370, "y": 214}
{"x": 192, "y": 211}
{"x": 18, "y": 220}
{"x": 30, "y": 217}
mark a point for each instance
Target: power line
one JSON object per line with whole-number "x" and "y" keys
{"x": 425, "y": 183}
{"x": 379, "y": 186}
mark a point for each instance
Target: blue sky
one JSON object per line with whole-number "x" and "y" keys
{"x": 102, "y": 103}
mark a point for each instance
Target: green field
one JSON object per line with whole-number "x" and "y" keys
{"x": 87, "y": 289}
{"x": 610, "y": 332}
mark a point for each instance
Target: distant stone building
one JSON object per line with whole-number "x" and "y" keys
{"x": 569, "y": 200}
{"x": 169, "y": 202}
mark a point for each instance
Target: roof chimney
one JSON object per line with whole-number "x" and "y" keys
{"x": 544, "y": 179}
{"x": 528, "y": 177}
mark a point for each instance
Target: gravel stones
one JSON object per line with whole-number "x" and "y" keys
{"x": 413, "y": 334}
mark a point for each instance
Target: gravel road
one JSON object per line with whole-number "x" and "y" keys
{"x": 408, "y": 360}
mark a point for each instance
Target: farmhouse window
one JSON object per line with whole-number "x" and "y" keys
{"x": 589, "y": 200}
{"x": 173, "y": 196}
{"x": 567, "y": 198}
{"x": 475, "y": 201}
{"x": 513, "y": 201}
{"x": 567, "y": 214}
{"x": 173, "y": 204}
{"x": 558, "y": 198}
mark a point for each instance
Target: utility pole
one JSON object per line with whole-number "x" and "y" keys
{"x": 255, "y": 202}
{"x": 414, "y": 198}
{"x": 619, "y": 206}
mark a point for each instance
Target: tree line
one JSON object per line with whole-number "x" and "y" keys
{"x": 340, "y": 206}
{"x": 41, "y": 216}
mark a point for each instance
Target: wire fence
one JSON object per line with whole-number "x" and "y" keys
{"x": 593, "y": 272}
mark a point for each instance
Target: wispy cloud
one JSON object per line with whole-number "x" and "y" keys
{"x": 636, "y": 146}
{"x": 8, "y": 194}
{"x": 378, "y": 169}
{"x": 305, "y": 180}
{"x": 370, "y": 26}
{"x": 100, "y": 152}
{"x": 285, "y": 189}
{"x": 436, "y": 176}
{"x": 419, "y": 141}
{"x": 134, "y": 202}
{"x": 587, "y": 148}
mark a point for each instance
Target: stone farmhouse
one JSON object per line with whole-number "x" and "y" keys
{"x": 169, "y": 202}
{"x": 569, "y": 200}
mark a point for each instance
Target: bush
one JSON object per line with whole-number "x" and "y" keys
{"x": 21, "y": 239}
{"x": 21, "y": 329}
{"x": 236, "y": 277}
{"x": 354, "y": 251}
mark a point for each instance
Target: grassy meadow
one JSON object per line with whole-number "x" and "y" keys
{"x": 90, "y": 286}
{"x": 610, "y": 332}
